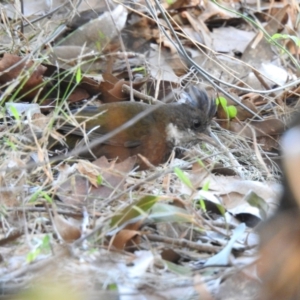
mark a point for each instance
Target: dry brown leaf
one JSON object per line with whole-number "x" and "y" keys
{"x": 268, "y": 127}
{"x": 33, "y": 83}
{"x": 78, "y": 94}
{"x": 272, "y": 126}
{"x": 170, "y": 255}
{"x": 8, "y": 198}
{"x": 67, "y": 231}
{"x": 126, "y": 238}
{"x": 76, "y": 189}
{"x": 89, "y": 170}
{"x": 111, "y": 88}
{"x": 200, "y": 28}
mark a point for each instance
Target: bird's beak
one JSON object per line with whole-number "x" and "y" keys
{"x": 207, "y": 137}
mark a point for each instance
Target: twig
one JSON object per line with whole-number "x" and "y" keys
{"x": 137, "y": 94}
{"x": 182, "y": 243}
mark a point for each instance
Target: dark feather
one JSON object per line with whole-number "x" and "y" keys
{"x": 199, "y": 99}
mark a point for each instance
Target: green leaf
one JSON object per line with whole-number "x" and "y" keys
{"x": 32, "y": 255}
{"x": 200, "y": 162}
{"x": 222, "y": 101}
{"x": 133, "y": 210}
{"x": 139, "y": 69}
{"x": 202, "y": 204}
{"x": 46, "y": 197}
{"x": 99, "y": 179}
{"x": 112, "y": 287}
{"x": 43, "y": 246}
{"x": 232, "y": 111}
{"x": 10, "y": 144}
{"x": 256, "y": 201}
{"x": 277, "y": 36}
{"x": 34, "y": 196}
{"x": 45, "y": 243}
{"x": 15, "y": 112}
{"x": 177, "y": 269}
{"x": 78, "y": 75}
{"x": 206, "y": 186}
{"x": 201, "y": 200}
{"x": 221, "y": 209}
{"x": 183, "y": 178}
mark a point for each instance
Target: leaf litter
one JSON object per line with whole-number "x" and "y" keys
{"x": 102, "y": 228}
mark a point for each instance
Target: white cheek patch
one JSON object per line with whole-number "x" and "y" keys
{"x": 176, "y": 136}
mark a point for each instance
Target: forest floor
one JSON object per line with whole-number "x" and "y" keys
{"x": 187, "y": 229}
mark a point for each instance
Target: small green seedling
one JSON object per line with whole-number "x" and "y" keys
{"x": 38, "y": 194}
{"x": 230, "y": 110}
{"x": 183, "y": 178}
{"x": 279, "y": 36}
{"x": 201, "y": 200}
{"x": 44, "y": 246}
{"x": 78, "y": 75}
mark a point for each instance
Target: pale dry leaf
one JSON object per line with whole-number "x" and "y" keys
{"x": 255, "y": 55}
{"x": 90, "y": 171}
{"x": 230, "y": 39}
{"x": 160, "y": 69}
{"x": 213, "y": 10}
{"x": 32, "y": 7}
{"x": 97, "y": 33}
{"x": 275, "y": 74}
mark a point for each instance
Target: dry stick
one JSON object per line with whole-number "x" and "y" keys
{"x": 137, "y": 94}
{"x": 182, "y": 243}
{"x": 43, "y": 209}
{"x": 11, "y": 237}
{"x": 262, "y": 81}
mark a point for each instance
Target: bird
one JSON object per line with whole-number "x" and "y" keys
{"x": 161, "y": 128}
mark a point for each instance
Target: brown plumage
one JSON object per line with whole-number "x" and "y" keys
{"x": 153, "y": 136}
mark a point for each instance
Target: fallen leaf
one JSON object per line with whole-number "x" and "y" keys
{"x": 126, "y": 238}
{"x": 10, "y": 70}
{"x": 97, "y": 33}
{"x": 67, "y": 231}
{"x": 77, "y": 189}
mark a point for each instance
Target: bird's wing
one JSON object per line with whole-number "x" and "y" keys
{"x": 94, "y": 135}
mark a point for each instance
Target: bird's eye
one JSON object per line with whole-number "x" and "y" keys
{"x": 196, "y": 124}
